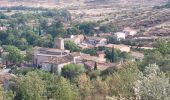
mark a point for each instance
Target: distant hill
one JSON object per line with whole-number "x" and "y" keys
{"x": 128, "y": 2}
{"x": 89, "y": 2}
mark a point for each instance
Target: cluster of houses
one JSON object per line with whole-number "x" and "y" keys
{"x": 53, "y": 59}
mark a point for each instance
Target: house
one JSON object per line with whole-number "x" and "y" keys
{"x": 101, "y": 56}
{"x": 96, "y": 41}
{"x": 85, "y": 45}
{"x": 129, "y": 31}
{"x": 59, "y": 43}
{"x": 77, "y": 39}
{"x": 76, "y": 57}
{"x": 55, "y": 64}
{"x": 121, "y": 47}
{"x": 105, "y": 35}
{"x": 3, "y": 28}
{"x": 41, "y": 54}
{"x": 120, "y": 35}
{"x": 88, "y": 57}
{"x": 90, "y": 65}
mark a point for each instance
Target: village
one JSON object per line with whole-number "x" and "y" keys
{"x": 84, "y": 50}
{"x": 54, "y": 59}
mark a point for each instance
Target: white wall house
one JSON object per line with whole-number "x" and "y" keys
{"x": 129, "y": 31}
{"x": 120, "y": 35}
{"x": 96, "y": 41}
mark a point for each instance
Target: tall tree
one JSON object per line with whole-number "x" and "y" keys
{"x": 153, "y": 85}
{"x": 72, "y": 71}
{"x": 71, "y": 46}
{"x": 29, "y": 87}
{"x": 121, "y": 82}
{"x": 14, "y": 54}
{"x": 64, "y": 90}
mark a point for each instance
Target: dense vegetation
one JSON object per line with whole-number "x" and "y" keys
{"x": 146, "y": 79}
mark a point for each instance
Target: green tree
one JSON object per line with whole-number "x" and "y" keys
{"x": 121, "y": 83}
{"x": 6, "y": 94}
{"x": 29, "y": 87}
{"x": 107, "y": 28}
{"x": 85, "y": 87}
{"x": 87, "y": 28}
{"x": 14, "y": 54}
{"x": 72, "y": 71}
{"x": 69, "y": 45}
{"x": 125, "y": 56}
{"x": 28, "y": 56}
{"x": 162, "y": 46}
{"x": 111, "y": 39}
{"x": 99, "y": 90}
{"x": 3, "y": 16}
{"x": 96, "y": 89}
{"x": 73, "y": 31}
{"x": 92, "y": 52}
{"x": 114, "y": 55}
{"x": 30, "y": 36}
{"x": 155, "y": 56}
{"x": 65, "y": 91}
{"x": 153, "y": 84}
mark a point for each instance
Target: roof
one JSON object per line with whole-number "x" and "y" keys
{"x": 85, "y": 45}
{"x": 100, "y": 52}
{"x": 104, "y": 34}
{"x": 116, "y": 46}
{"x": 50, "y": 51}
{"x": 75, "y": 37}
{"x": 75, "y": 54}
{"x": 5, "y": 76}
{"x": 119, "y": 33}
{"x": 59, "y": 60}
{"x": 121, "y": 47}
{"x": 100, "y": 66}
{"x": 96, "y": 38}
{"x": 128, "y": 29}
{"x": 89, "y": 57}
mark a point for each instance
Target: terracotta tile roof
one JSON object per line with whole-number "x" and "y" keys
{"x": 100, "y": 66}
{"x": 59, "y": 60}
{"x": 5, "y": 76}
{"x": 121, "y": 47}
{"x": 75, "y": 54}
{"x": 100, "y": 52}
{"x": 95, "y": 38}
{"x": 42, "y": 49}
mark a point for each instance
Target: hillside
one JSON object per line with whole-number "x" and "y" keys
{"x": 66, "y": 3}
{"x": 138, "y": 14}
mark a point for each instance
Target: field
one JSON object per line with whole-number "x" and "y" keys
{"x": 138, "y": 14}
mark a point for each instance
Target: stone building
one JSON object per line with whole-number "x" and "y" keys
{"x": 59, "y": 43}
